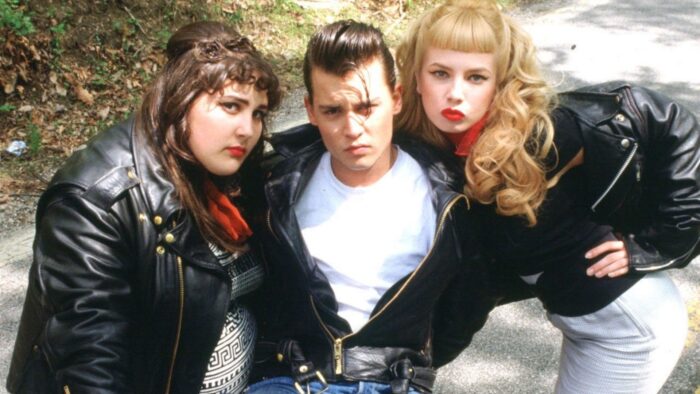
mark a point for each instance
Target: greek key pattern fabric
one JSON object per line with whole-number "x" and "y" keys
{"x": 230, "y": 364}
{"x": 244, "y": 270}
{"x": 232, "y": 359}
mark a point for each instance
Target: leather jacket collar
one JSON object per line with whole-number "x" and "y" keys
{"x": 158, "y": 191}
{"x": 592, "y": 108}
{"x": 288, "y": 179}
{"x": 167, "y": 213}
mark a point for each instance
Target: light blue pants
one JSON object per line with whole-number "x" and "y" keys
{"x": 285, "y": 385}
{"x": 629, "y": 346}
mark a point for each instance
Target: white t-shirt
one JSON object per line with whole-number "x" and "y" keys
{"x": 365, "y": 239}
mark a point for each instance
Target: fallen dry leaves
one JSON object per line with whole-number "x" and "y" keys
{"x": 61, "y": 89}
{"x": 83, "y": 95}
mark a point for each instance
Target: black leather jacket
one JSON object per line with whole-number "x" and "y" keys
{"x": 124, "y": 295}
{"x": 642, "y": 171}
{"x": 399, "y": 335}
{"x": 642, "y": 165}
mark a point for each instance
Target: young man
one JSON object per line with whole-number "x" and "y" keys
{"x": 364, "y": 237}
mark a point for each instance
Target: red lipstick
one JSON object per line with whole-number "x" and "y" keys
{"x": 452, "y": 114}
{"x": 236, "y": 151}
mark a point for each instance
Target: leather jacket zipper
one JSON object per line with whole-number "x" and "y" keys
{"x": 181, "y": 285}
{"x": 622, "y": 169}
{"x": 668, "y": 263}
{"x": 338, "y": 342}
{"x": 269, "y": 224}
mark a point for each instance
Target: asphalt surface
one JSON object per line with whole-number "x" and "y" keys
{"x": 581, "y": 42}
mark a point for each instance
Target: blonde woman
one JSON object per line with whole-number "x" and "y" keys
{"x": 586, "y": 198}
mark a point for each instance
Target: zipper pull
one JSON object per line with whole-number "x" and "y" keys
{"x": 338, "y": 356}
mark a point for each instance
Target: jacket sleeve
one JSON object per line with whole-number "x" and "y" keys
{"x": 672, "y": 165}
{"x": 465, "y": 304}
{"x": 461, "y": 311}
{"x": 82, "y": 264}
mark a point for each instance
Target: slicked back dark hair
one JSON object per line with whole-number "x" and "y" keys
{"x": 345, "y": 46}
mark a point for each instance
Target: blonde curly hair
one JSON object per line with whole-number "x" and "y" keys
{"x": 505, "y": 166}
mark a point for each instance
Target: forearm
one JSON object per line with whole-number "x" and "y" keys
{"x": 462, "y": 311}
{"x": 83, "y": 275}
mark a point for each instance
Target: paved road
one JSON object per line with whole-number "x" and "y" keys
{"x": 14, "y": 265}
{"x": 581, "y": 42}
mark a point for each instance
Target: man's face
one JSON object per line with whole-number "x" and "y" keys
{"x": 354, "y": 114}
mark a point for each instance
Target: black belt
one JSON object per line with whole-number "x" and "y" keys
{"x": 391, "y": 365}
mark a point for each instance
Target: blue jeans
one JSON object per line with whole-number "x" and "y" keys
{"x": 285, "y": 384}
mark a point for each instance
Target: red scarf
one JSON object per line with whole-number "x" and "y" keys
{"x": 226, "y": 214}
{"x": 464, "y": 141}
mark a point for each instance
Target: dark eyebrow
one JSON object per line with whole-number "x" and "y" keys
{"x": 480, "y": 70}
{"x": 472, "y": 70}
{"x": 327, "y": 107}
{"x": 236, "y": 98}
{"x": 435, "y": 64}
{"x": 373, "y": 101}
{"x": 243, "y": 101}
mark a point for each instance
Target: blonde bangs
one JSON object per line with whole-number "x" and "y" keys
{"x": 464, "y": 31}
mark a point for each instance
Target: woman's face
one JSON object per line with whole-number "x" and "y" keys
{"x": 225, "y": 126}
{"x": 456, "y": 88}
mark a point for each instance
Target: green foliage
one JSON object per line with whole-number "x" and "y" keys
{"x": 59, "y": 31}
{"x": 282, "y": 7}
{"x": 162, "y": 36}
{"x": 285, "y": 3}
{"x": 34, "y": 139}
{"x": 235, "y": 17}
{"x": 284, "y": 15}
{"x": 51, "y": 11}
{"x": 117, "y": 26}
{"x": 169, "y": 14}
{"x": 100, "y": 78}
{"x": 145, "y": 76}
{"x": 133, "y": 24}
{"x": 7, "y": 108}
{"x": 214, "y": 9}
{"x": 15, "y": 18}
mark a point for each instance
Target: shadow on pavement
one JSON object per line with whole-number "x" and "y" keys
{"x": 678, "y": 20}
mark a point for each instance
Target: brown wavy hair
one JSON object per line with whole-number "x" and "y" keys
{"x": 505, "y": 167}
{"x": 203, "y": 57}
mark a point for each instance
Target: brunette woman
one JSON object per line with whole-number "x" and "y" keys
{"x": 143, "y": 249}
{"x": 586, "y": 201}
